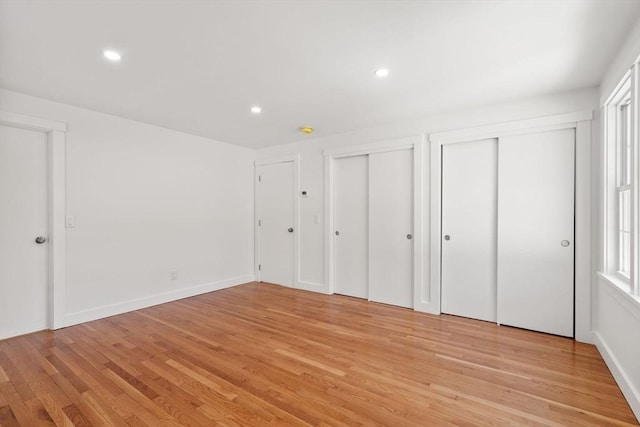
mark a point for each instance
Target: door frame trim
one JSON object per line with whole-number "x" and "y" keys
{"x": 56, "y": 207}
{"x": 416, "y": 143}
{"x": 581, "y": 122}
{"x": 295, "y": 159}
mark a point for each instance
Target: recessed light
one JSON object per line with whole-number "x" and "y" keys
{"x": 256, "y": 110}
{"x": 381, "y": 72}
{"x": 112, "y": 55}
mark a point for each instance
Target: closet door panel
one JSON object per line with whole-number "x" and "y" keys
{"x": 351, "y": 210}
{"x": 469, "y": 229}
{"x": 536, "y": 231}
{"x": 391, "y": 227}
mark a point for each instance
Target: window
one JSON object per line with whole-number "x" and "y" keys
{"x": 622, "y": 235}
{"x": 623, "y": 189}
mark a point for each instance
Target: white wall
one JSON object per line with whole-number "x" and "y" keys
{"x": 147, "y": 201}
{"x": 628, "y": 53}
{"x": 312, "y": 172}
{"x": 616, "y": 315}
{"x": 617, "y": 336}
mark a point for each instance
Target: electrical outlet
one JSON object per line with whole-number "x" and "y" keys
{"x": 174, "y": 275}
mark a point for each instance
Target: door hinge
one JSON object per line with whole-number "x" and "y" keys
{"x": 259, "y": 223}
{"x": 259, "y": 267}
{"x": 259, "y": 178}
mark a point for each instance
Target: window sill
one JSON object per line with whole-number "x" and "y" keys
{"x": 618, "y": 282}
{"x": 620, "y": 289}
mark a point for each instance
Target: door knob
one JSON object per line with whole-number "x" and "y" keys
{"x": 40, "y": 240}
{"x": 290, "y": 230}
{"x": 447, "y": 237}
{"x": 409, "y": 236}
{"x": 337, "y": 233}
{"x": 565, "y": 243}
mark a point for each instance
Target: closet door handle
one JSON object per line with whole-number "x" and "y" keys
{"x": 447, "y": 237}
{"x": 409, "y": 236}
{"x": 290, "y": 230}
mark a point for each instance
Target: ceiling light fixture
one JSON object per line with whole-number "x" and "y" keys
{"x": 256, "y": 110}
{"x": 381, "y": 72}
{"x": 307, "y": 130}
{"x": 112, "y": 55}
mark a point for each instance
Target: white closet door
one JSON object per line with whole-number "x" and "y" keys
{"x": 535, "y": 231}
{"x": 275, "y": 189}
{"x": 351, "y": 210}
{"x": 469, "y": 206}
{"x": 23, "y": 217}
{"x": 391, "y": 227}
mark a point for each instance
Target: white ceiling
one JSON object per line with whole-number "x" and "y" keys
{"x": 198, "y": 66}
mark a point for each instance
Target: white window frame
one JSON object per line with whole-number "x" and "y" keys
{"x": 625, "y": 95}
{"x": 623, "y": 168}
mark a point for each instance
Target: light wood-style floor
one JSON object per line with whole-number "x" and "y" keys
{"x": 261, "y": 354}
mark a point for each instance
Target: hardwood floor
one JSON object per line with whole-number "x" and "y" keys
{"x": 260, "y": 354}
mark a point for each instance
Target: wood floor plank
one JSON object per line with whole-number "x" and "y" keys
{"x": 260, "y": 354}
{"x": 7, "y": 418}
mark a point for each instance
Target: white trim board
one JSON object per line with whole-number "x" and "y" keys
{"x": 28, "y": 122}
{"x": 516, "y": 127}
{"x": 581, "y": 122}
{"x": 139, "y": 303}
{"x": 622, "y": 379}
{"x": 56, "y": 181}
{"x": 313, "y": 287}
{"x": 371, "y": 148}
{"x": 416, "y": 143}
{"x": 283, "y": 159}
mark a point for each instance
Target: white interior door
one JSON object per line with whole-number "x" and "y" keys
{"x": 276, "y": 222}
{"x": 23, "y": 217}
{"x": 351, "y": 212}
{"x": 535, "y": 231}
{"x": 391, "y": 227}
{"x": 469, "y": 229}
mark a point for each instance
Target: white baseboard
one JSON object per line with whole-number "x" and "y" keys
{"x": 427, "y": 307}
{"x": 629, "y": 390}
{"x": 136, "y": 304}
{"x": 313, "y": 287}
{"x": 584, "y": 337}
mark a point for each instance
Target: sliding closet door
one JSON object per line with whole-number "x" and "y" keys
{"x": 351, "y": 210}
{"x": 469, "y": 229}
{"x": 391, "y": 227}
{"x": 535, "y": 231}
